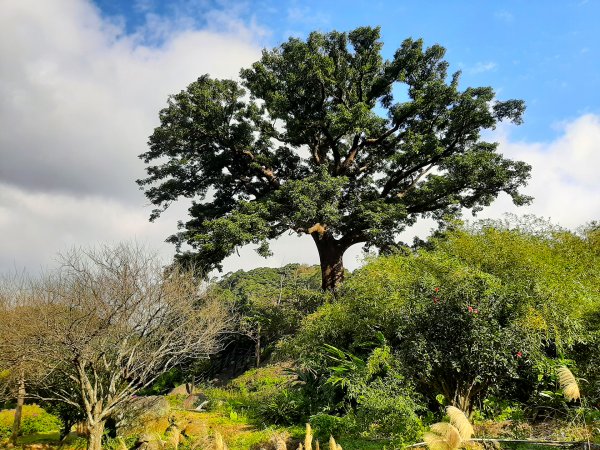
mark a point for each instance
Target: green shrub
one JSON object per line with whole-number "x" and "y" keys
{"x": 255, "y": 380}
{"x": 34, "y": 420}
{"x": 325, "y": 425}
{"x": 286, "y": 406}
{"x": 498, "y": 409}
{"x": 266, "y": 393}
{"x": 385, "y": 410}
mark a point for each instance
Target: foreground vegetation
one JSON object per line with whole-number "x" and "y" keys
{"x": 486, "y": 318}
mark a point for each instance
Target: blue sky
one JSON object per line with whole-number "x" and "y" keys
{"x": 545, "y": 52}
{"x": 82, "y": 81}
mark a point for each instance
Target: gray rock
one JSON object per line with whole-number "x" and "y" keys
{"x": 139, "y": 412}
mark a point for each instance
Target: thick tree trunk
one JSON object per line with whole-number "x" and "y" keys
{"x": 95, "y": 431}
{"x": 16, "y": 429}
{"x": 332, "y": 263}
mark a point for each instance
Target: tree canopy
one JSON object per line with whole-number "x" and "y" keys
{"x": 325, "y": 137}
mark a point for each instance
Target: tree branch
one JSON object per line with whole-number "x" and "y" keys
{"x": 265, "y": 171}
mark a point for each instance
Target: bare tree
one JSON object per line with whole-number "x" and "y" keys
{"x": 18, "y": 367}
{"x": 110, "y": 321}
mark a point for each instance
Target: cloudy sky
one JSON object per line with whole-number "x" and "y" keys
{"x": 81, "y": 83}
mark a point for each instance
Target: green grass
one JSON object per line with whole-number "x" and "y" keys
{"x": 39, "y": 438}
{"x": 358, "y": 443}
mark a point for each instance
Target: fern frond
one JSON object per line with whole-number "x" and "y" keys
{"x": 442, "y": 436}
{"x": 461, "y": 422}
{"x": 568, "y": 383}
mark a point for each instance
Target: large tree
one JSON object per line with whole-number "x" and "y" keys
{"x": 331, "y": 140}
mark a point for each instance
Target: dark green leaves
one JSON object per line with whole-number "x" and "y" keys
{"x": 318, "y": 138}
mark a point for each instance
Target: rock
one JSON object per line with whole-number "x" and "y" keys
{"x": 173, "y": 436}
{"x": 190, "y": 401}
{"x": 179, "y": 390}
{"x": 143, "y": 414}
{"x": 202, "y": 406}
{"x": 148, "y": 441}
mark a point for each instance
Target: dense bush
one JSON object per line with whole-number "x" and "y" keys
{"x": 270, "y": 304}
{"x": 477, "y": 311}
{"x": 325, "y": 425}
{"x": 268, "y": 394}
{"x": 34, "y": 420}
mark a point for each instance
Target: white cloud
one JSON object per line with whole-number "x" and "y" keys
{"x": 564, "y": 182}
{"x": 482, "y": 67}
{"x": 36, "y": 225}
{"x": 78, "y": 99}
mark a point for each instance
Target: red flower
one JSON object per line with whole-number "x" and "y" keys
{"x": 476, "y": 311}
{"x": 437, "y": 289}
{"x": 470, "y": 308}
{"x": 519, "y": 354}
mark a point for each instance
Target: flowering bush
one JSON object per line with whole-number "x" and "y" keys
{"x": 464, "y": 342}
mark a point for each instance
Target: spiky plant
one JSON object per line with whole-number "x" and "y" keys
{"x": 308, "y": 438}
{"x": 568, "y": 383}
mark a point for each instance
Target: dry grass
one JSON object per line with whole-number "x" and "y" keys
{"x": 450, "y": 436}
{"x": 308, "y": 438}
{"x": 173, "y": 437}
{"x": 280, "y": 443}
{"x": 461, "y": 422}
{"x": 333, "y": 445}
{"x": 219, "y": 442}
{"x": 442, "y": 436}
{"x": 568, "y": 384}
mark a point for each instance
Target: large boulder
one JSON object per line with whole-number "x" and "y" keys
{"x": 143, "y": 414}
